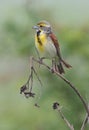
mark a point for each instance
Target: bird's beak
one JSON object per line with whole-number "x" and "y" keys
{"x": 35, "y": 27}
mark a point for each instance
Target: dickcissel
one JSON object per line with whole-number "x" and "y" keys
{"x": 48, "y": 47}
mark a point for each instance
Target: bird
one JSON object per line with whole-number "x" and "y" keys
{"x": 47, "y": 46}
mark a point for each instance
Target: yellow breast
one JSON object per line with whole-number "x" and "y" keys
{"x": 41, "y": 45}
{"x": 45, "y": 46}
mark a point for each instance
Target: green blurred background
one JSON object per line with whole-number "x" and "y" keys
{"x": 70, "y": 21}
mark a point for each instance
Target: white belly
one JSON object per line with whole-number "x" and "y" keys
{"x": 50, "y": 50}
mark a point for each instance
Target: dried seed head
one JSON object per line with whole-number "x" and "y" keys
{"x": 22, "y": 89}
{"x": 55, "y": 105}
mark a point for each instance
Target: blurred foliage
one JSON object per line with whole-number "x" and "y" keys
{"x": 17, "y": 40}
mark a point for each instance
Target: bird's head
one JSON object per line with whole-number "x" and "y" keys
{"x": 43, "y": 26}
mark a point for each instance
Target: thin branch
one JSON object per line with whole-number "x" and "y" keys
{"x": 37, "y": 77}
{"x": 31, "y": 79}
{"x": 57, "y": 106}
{"x": 85, "y": 121}
{"x": 28, "y": 86}
{"x": 29, "y": 93}
{"x": 67, "y": 81}
{"x": 66, "y": 121}
{"x": 33, "y": 69}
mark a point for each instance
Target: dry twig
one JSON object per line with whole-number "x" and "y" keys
{"x": 67, "y": 81}
{"x": 57, "y": 106}
{"x": 27, "y": 89}
{"x": 86, "y": 119}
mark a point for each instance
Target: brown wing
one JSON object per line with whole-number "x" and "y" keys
{"x": 55, "y": 41}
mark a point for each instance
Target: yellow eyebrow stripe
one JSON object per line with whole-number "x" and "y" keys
{"x": 41, "y": 24}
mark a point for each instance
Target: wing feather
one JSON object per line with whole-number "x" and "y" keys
{"x": 56, "y": 44}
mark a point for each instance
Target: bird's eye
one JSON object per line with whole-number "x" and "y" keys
{"x": 41, "y": 26}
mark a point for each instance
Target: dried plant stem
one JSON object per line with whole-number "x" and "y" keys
{"x": 67, "y": 81}
{"x": 65, "y": 119}
{"x": 85, "y": 120}
{"x": 27, "y": 90}
{"x": 57, "y": 107}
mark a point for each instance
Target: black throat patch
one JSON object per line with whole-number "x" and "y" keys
{"x": 38, "y": 38}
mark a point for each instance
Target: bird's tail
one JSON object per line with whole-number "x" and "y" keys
{"x": 66, "y": 64}
{"x": 60, "y": 66}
